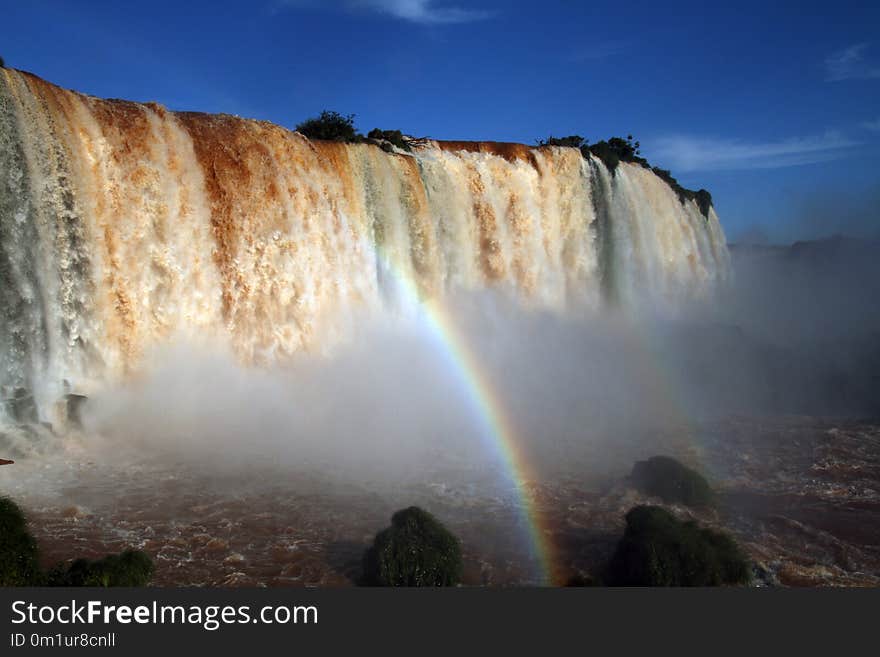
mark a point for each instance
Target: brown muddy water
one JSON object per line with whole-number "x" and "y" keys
{"x": 801, "y": 494}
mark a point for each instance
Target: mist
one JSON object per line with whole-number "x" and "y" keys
{"x": 795, "y": 331}
{"x": 390, "y": 403}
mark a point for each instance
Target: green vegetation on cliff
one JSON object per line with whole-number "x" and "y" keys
{"x": 611, "y": 152}
{"x": 572, "y": 141}
{"x": 659, "y": 550}
{"x": 416, "y": 550}
{"x": 616, "y": 150}
{"x": 702, "y": 197}
{"x": 333, "y": 126}
{"x": 392, "y": 136}
{"x": 330, "y": 126}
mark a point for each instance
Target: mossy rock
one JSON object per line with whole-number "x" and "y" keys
{"x": 19, "y": 565}
{"x": 416, "y": 550}
{"x": 130, "y": 568}
{"x": 659, "y": 550}
{"x": 672, "y": 482}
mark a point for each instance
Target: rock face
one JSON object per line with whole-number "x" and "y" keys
{"x": 73, "y": 404}
{"x": 21, "y": 407}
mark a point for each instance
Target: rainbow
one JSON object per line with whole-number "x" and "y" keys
{"x": 499, "y": 429}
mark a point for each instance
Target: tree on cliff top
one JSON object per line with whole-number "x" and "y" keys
{"x": 330, "y": 126}
{"x": 572, "y": 141}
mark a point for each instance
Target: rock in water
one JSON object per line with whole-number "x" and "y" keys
{"x": 671, "y": 481}
{"x": 74, "y": 404}
{"x": 416, "y": 550}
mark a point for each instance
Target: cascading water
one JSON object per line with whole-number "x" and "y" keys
{"x": 123, "y": 225}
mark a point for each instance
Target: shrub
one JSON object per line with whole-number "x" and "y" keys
{"x": 18, "y": 549}
{"x": 617, "y": 150}
{"x": 416, "y": 550}
{"x": 704, "y": 201}
{"x": 393, "y": 136}
{"x": 702, "y": 198}
{"x": 330, "y": 126}
{"x": 130, "y": 568}
{"x": 2, "y": 63}
{"x": 666, "y": 478}
{"x": 658, "y": 550}
{"x": 572, "y": 141}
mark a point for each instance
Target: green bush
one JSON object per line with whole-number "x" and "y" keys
{"x": 572, "y": 141}
{"x": 416, "y": 550}
{"x": 617, "y": 150}
{"x": 703, "y": 199}
{"x": 130, "y": 568}
{"x": 671, "y": 481}
{"x": 393, "y": 136}
{"x": 2, "y": 63}
{"x": 611, "y": 152}
{"x": 330, "y": 126}
{"x": 659, "y": 550}
{"x": 19, "y": 564}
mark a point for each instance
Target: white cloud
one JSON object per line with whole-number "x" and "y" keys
{"x": 851, "y": 64}
{"x": 682, "y": 153}
{"x": 873, "y": 126}
{"x": 423, "y": 12}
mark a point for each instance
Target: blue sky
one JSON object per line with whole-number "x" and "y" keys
{"x": 773, "y": 107}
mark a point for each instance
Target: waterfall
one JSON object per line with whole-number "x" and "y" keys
{"x": 123, "y": 225}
